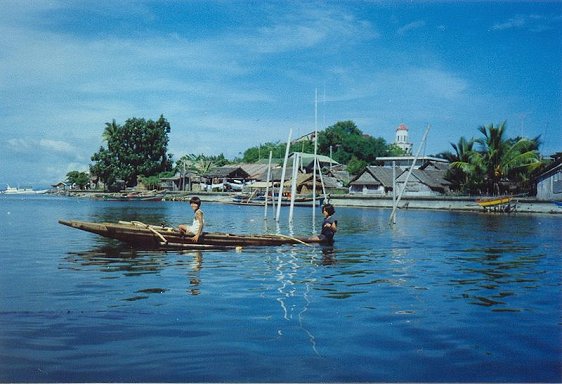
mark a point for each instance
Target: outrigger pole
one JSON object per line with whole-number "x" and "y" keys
{"x": 392, "y": 219}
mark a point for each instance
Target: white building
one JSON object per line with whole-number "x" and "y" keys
{"x": 549, "y": 183}
{"x": 401, "y": 139}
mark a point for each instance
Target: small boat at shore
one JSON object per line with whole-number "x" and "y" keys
{"x": 499, "y": 203}
{"x": 147, "y": 236}
{"x": 299, "y": 201}
{"x": 133, "y": 196}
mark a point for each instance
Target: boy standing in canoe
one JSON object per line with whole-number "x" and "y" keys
{"x": 196, "y": 228}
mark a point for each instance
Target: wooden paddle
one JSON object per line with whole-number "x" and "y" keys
{"x": 292, "y": 238}
{"x": 141, "y": 224}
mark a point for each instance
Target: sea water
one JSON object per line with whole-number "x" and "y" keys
{"x": 440, "y": 296}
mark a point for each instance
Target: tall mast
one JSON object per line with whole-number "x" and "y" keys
{"x": 315, "y": 153}
{"x": 283, "y": 175}
{"x": 392, "y": 219}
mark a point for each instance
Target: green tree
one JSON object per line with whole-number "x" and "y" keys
{"x": 463, "y": 173}
{"x": 81, "y": 179}
{"x": 139, "y": 147}
{"x": 254, "y": 154}
{"x": 200, "y": 164}
{"x": 356, "y": 166}
{"x": 348, "y": 141}
{"x": 110, "y": 132}
{"x": 499, "y": 164}
{"x": 153, "y": 182}
{"x": 394, "y": 150}
{"x": 503, "y": 158}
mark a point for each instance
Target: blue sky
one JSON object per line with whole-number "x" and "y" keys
{"x": 229, "y": 75}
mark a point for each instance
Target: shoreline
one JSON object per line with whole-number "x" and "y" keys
{"x": 446, "y": 203}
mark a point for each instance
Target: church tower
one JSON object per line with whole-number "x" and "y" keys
{"x": 402, "y": 139}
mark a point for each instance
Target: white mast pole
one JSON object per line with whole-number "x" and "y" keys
{"x": 283, "y": 175}
{"x": 267, "y": 186}
{"x": 393, "y": 214}
{"x": 294, "y": 185}
{"x": 315, "y": 159}
{"x": 322, "y": 181}
{"x": 393, "y": 188}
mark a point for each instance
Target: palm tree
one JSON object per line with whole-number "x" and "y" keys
{"x": 111, "y": 132}
{"x": 503, "y": 157}
{"x": 462, "y": 168}
{"x": 197, "y": 164}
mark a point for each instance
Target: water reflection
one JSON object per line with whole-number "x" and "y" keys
{"x": 194, "y": 275}
{"x": 293, "y": 292}
{"x": 493, "y": 276}
{"x": 328, "y": 255}
{"x": 147, "y": 212}
{"x": 116, "y": 261}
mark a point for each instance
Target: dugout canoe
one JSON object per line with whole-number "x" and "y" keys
{"x": 161, "y": 237}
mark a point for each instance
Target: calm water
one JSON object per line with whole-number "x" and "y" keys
{"x": 439, "y": 297}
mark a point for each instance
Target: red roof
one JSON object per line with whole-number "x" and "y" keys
{"x": 402, "y": 127}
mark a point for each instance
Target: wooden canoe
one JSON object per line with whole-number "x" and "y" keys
{"x": 160, "y": 237}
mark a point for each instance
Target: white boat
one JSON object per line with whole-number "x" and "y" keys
{"x": 22, "y": 191}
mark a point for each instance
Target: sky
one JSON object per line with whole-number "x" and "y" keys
{"x": 230, "y": 75}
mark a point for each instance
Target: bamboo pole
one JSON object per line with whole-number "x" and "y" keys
{"x": 293, "y": 238}
{"x": 322, "y": 180}
{"x": 394, "y": 188}
{"x": 315, "y": 159}
{"x": 283, "y": 175}
{"x": 392, "y": 218}
{"x": 141, "y": 224}
{"x": 294, "y": 185}
{"x": 267, "y": 186}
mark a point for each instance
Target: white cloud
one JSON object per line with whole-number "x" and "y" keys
{"x": 515, "y": 22}
{"x": 532, "y": 22}
{"x": 19, "y": 145}
{"x": 57, "y": 146}
{"x": 43, "y": 147}
{"x": 306, "y": 27}
{"x": 410, "y": 27}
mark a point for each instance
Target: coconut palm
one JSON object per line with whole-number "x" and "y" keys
{"x": 502, "y": 158}
{"x": 111, "y": 132}
{"x": 197, "y": 164}
{"x": 464, "y": 168}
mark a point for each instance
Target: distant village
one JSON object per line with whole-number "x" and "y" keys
{"x": 427, "y": 178}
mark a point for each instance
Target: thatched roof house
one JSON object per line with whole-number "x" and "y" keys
{"x": 373, "y": 181}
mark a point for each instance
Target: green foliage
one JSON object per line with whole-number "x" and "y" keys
{"x": 462, "y": 172}
{"x": 254, "y": 154}
{"x": 81, "y": 179}
{"x": 395, "y": 150}
{"x": 150, "y": 182}
{"x": 356, "y": 166}
{"x": 200, "y": 164}
{"x": 139, "y": 147}
{"x": 348, "y": 141}
{"x": 499, "y": 165}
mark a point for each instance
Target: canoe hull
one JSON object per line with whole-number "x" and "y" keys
{"x": 159, "y": 237}
{"x": 492, "y": 202}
